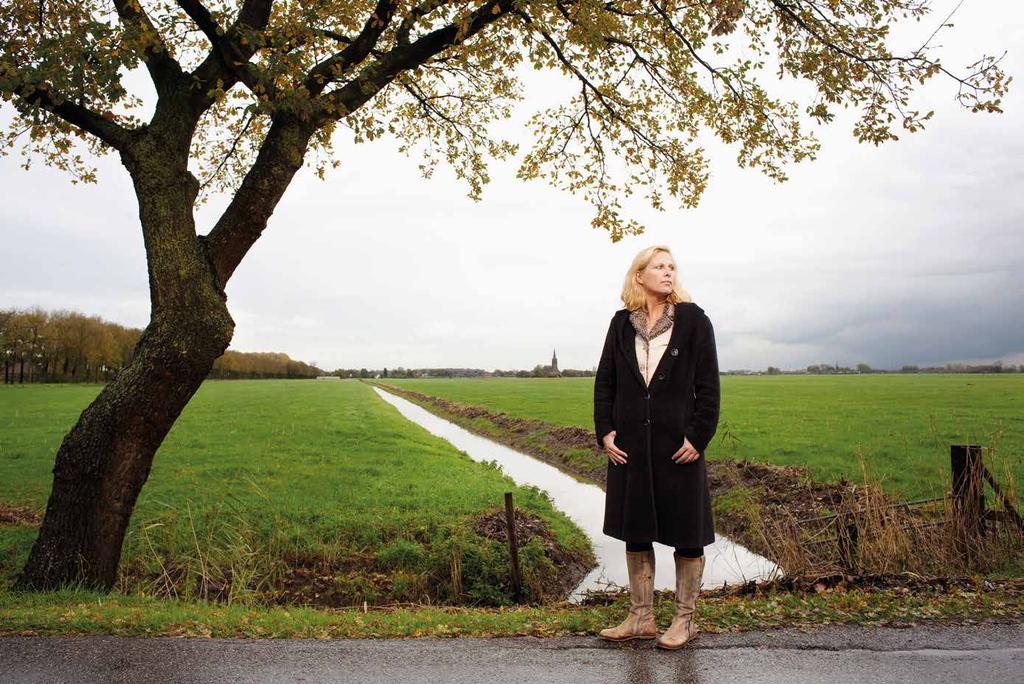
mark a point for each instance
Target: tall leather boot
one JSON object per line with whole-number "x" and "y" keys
{"x": 639, "y": 624}
{"x": 684, "y": 626}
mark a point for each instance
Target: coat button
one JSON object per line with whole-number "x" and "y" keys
{"x": 647, "y": 421}
{"x": 674, "y": 352}
{"x": 661, "y": 376}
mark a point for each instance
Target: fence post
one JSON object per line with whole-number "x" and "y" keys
{"x": 847, "y": 535}
{"x": 968, "y": 493}
{"x": 513, "y": 547}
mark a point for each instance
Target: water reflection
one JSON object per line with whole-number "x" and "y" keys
{"x": 584, "y": 504}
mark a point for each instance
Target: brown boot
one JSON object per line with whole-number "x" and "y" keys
{"x": 684, "y": 626}
{"x": 639, "y": 624}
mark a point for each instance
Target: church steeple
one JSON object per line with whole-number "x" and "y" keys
{"x": 554, "y": 360}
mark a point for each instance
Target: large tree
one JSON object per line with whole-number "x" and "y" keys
{"x": 246, "y": 91}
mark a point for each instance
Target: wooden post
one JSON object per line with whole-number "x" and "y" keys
{"x": 1010, "y": 511}
{"x": 968, "y": 493}
{"x": 513, "y": 547}
{"x": 848, "y": 536}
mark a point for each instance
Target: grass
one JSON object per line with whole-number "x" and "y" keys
{"x": 71, "y": 612}
{"x": 261, "y": 477}
{"x": 290, "y": 491}
{"x": 901, "y": 424}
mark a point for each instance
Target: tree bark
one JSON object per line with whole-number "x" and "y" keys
{"x": 106, "y": 458}
{"x": 104, "y": 461}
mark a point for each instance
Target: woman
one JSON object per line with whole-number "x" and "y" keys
{"x": 656, "y": 399}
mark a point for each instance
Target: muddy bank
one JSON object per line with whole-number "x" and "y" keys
{"x": 464, "y": 564}
{"x": 471, "y": 569}
{"x": 745, "y": 493}
{"x": 473, "y": 572}
{"x": 19, "y": 515}
{"x": 570, "y": 566}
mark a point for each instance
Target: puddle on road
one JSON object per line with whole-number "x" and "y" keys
{"x": 584, "y": 504}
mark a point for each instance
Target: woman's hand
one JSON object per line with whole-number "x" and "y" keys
{"x": 686, "y": 453}
{"x": 615, "y": 454}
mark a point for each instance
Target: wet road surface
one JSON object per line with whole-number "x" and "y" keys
{"x": 989, "y": 653}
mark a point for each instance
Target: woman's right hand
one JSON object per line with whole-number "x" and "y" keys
{"x": 615, "y": 454}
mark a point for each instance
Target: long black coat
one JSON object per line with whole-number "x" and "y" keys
{"x": 652, "y": 498}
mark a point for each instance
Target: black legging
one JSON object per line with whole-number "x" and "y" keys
{"x": 681, "y": 551}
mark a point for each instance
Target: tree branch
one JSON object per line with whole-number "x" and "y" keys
{"x": 43, "y": 96}
{"x": 243, "y": 221}
{"x": 163, "y": 68}
{"x": 339, "y": 103}
{"x": 202, "y": 18}
{"x": 228, "y": 60}
{"x": 417, "y": 12}
{"x": 916, "y": 58}
{"x": 353, "y": 53}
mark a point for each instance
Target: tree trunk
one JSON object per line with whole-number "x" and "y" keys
{"x": 106, "y": 458}
{"x": 104, "y": 461}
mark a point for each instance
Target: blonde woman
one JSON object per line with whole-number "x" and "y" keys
{"x": 656, "y": 401}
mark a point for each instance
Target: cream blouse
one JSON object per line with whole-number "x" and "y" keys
{"x": 649, "y": 357}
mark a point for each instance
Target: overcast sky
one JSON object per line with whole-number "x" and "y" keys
{"x": 905, "y": 253}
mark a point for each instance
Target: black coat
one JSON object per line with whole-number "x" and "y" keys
{"x": 652, "y": 498}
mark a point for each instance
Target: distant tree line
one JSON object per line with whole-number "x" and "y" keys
{"x": 996, "y": 367}
{"x": 62, "y": 346}
{"x": 546, "y": 371}
{"x": 836, "y": 369}
{"x": 540, "y": 371}
{"x": 409, "y": 372}
{"x": 234, "y": 365}
{"x": 68, "y": 346}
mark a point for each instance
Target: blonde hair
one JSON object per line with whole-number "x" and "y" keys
{"x": 633, "y": 293}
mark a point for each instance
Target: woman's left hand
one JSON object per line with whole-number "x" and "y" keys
{"x": 686, "y": 453}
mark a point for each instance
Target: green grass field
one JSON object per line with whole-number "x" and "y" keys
{"x": 320, "y": 487}
{"x": 274, "y": 475}
{"x": 902, "y": 424}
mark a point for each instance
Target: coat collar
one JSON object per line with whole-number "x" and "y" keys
{"x": 682, "y": 326}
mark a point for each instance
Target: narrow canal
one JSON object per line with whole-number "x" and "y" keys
{"x": 584, "y": 504}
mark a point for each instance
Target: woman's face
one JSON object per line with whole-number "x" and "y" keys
{"x": 659, "y": 277}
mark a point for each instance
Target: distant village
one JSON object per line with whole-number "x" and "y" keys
{"x": 539, "y": 371}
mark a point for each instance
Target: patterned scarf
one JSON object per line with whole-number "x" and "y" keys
{"x": 638, "y": 318}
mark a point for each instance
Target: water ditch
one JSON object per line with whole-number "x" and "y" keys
{"x": 583, "y": 503}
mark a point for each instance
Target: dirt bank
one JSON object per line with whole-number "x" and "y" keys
{"x": 19, "y": 515}
{"x": 443, "y": 581}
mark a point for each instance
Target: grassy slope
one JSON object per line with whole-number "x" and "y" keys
{"x": 277, "y": 474}
{"x": 902, "y": 424}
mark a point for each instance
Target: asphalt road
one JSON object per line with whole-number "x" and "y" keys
{"x": 989, "y": 653}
